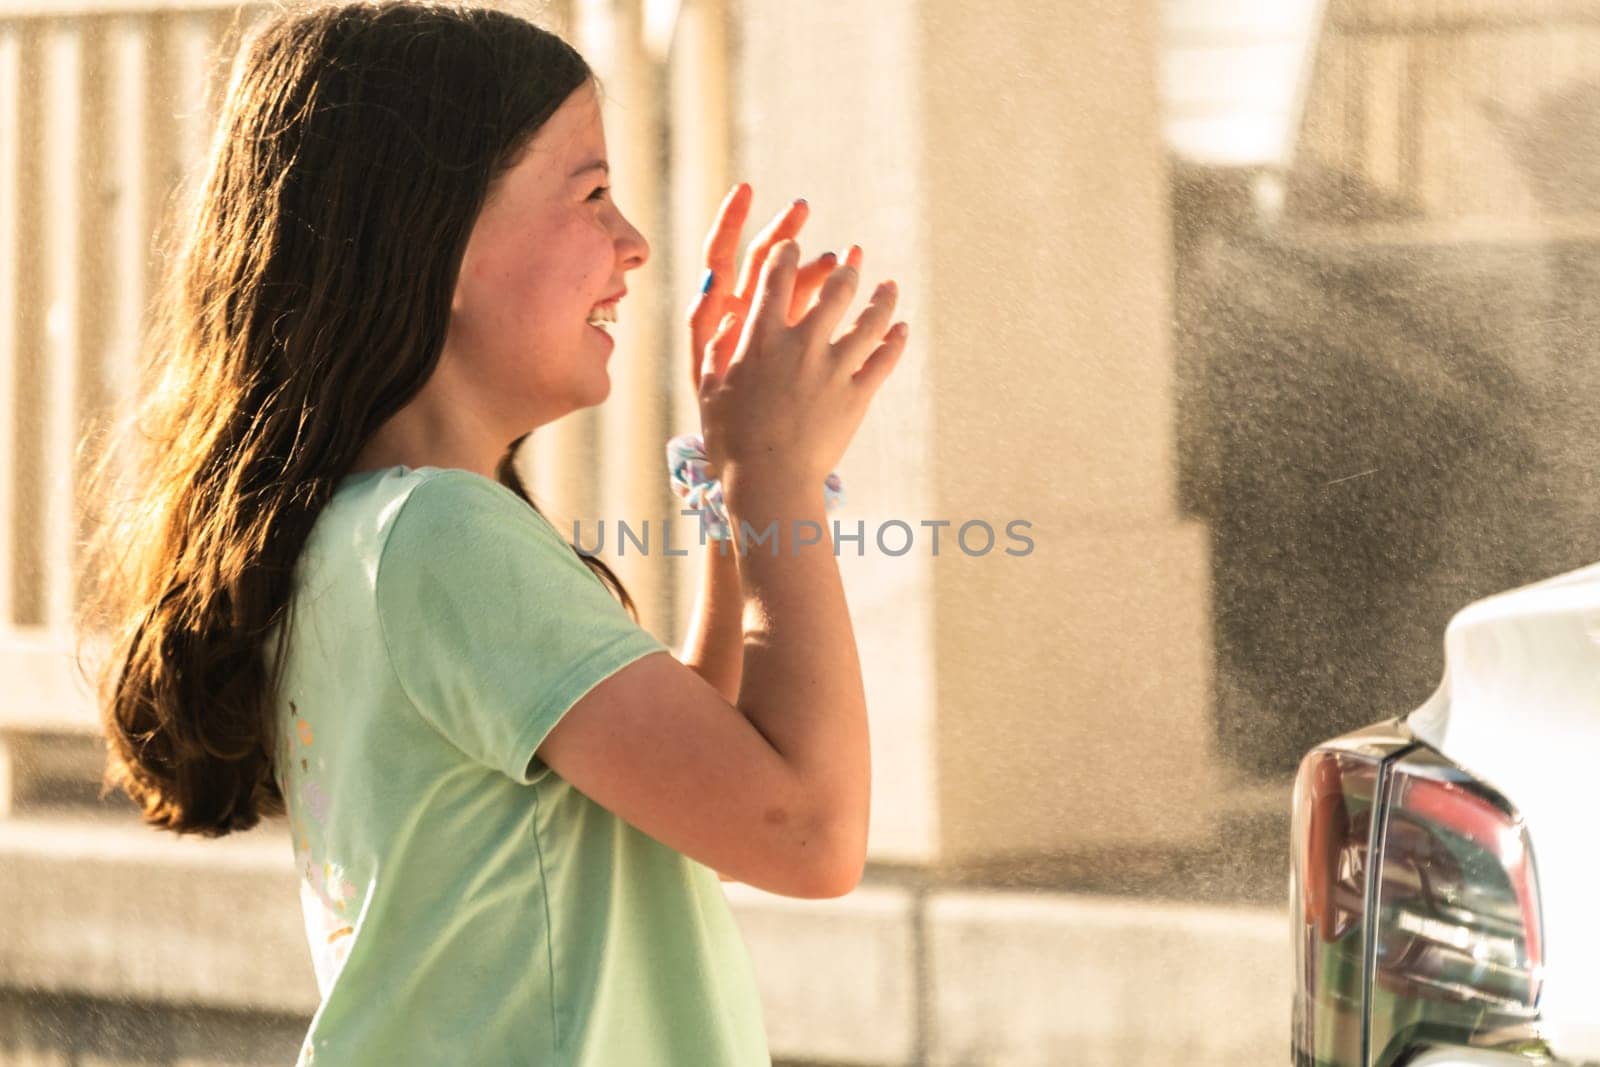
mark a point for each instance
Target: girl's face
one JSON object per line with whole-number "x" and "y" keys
{"x": 548, "y": 246}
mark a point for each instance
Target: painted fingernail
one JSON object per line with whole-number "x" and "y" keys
{"x": 828, "y": 257}
{"x": 800, "y": 201}
{"x": 705, "y": 282}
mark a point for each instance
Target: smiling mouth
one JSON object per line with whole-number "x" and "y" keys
{"x": 603, "y": 317}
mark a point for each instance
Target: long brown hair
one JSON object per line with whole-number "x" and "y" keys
{"x": 305, "y": 305}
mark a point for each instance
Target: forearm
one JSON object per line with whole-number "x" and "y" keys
{"x": 714, "y": 644}
{"x": 801, "y": 684}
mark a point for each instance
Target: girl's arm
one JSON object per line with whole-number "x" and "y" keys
{"x": 774, "y": 789}
{"x": 714, "y": 645}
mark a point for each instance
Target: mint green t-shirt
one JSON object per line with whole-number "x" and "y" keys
{"x": 464, "y": 904}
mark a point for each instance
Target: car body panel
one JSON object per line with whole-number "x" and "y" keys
{"x": 1519, "y": 707}
{"x": 1472, "y": 1057}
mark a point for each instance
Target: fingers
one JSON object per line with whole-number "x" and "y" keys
{"x": 786, "y": 225}
{"x": 871, "y": 323}
{"x": 837, "y": 291}
{"x": 718, "y": 351}
{"x": 883, "y": 360}
{"x": 722, "y": 242}
{"x": 721, "y": 246}
{"x": 808, "y": 281}
{"x": 700, "y": 332}
{"x": 707, "y": 309}
{"x": 770, "y": 313}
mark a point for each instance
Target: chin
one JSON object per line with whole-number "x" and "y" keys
{"x": 591, "y": 397}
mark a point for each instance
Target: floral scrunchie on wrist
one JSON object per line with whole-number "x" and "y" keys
{"x": 692, "y": 483}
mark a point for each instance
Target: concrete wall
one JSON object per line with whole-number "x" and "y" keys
{"x": 1007, "y": 168}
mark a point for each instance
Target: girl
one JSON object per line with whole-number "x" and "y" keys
{"x": 334, "y": 600}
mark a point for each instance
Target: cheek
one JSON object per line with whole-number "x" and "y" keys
{"x": 499, "y": 301}
{"x": 565, "y": 275}
{"x": 519, "y": 284}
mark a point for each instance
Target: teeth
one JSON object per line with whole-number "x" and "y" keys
{"x": 603, "y": 314}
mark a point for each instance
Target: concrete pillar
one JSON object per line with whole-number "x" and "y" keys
{"x": 1007, "y": 168}
{"x": 12, "y": 44}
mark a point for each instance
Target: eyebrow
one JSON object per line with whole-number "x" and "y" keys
{"x": 598, "y": 164}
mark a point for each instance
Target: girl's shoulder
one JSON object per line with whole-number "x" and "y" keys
{"x": 379, "y": 497}
{"x": 403, "y": 516}
{"x": 400, "y": 482}
{"x": 354, "y": 532}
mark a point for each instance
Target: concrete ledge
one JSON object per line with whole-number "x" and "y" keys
{"x": 838, "y": 977}
{"x": 106, "y": 910}
{"x": 64, "y": 1030}
{"x": 1025, "y": 979}
{"x": 44, "y": 770}
{"x": 44, "y": 689}
{"x": 110, "y": 908}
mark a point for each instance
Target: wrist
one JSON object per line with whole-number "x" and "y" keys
{"x": 769, "y": 488}
{"x": 765, "y": 489}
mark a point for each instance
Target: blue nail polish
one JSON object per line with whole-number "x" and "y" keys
{"x": 705, "y": 283}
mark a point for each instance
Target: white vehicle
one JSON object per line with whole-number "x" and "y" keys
{"x": 1445, "y": 885}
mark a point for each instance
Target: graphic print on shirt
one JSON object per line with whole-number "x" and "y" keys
{"x": 329, "y": 917}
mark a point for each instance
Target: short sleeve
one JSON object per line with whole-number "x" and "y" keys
{"x": 494, "y": 626}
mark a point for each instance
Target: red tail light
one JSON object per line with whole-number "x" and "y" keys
{"x": 1416, "y": 907}
{"x": 1333, "y": 810}
{"x": 1459, "y": 950}
{"x": 1336, "y": 845}
{"x": 1501, "y": 837}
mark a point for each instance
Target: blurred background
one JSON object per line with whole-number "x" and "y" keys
{"x": 1270, "y": 317}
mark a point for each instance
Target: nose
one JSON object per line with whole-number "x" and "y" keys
{"x": 632, "y": 248}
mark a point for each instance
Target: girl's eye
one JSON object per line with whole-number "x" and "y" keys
{"x": 600, "y": 192}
